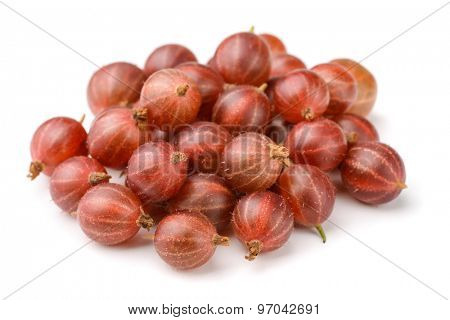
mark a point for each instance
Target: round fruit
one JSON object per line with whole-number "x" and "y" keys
{"x": 167, "y": 56}
{"x": 282, "y": 64}
{"x": 275, "y": 45}
{"x": 356, "y": 128}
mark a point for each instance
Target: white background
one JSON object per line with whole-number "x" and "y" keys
{"x": 41, "y": 78}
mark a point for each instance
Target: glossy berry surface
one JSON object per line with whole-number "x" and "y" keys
{"x": 252, "y": 162}
{"x": 242, "y": 108}
{"x": 366, "y": 86}
{"x": 55, "y": 140}
{"x": 243, "y": 58}
{"x": 282, "y": 64}
{"x": 320, "y": 143}
{"x": 187, "y": 240}
{"x": 73, "y": 178}
{"x": 167, "y": 56}
{"x": 356, "y": 128}
{"x": 111, "y": 214}
{"x": 341, "y": 85}
{"x": 203, "y": 143}
{"x": 115, "y": 134}
{"x": 373, "y": 173}
{"x": 275, "y": 45}
{"x": 171, "y": 98}
{"x": 209, "y": 195}
{"x": 310, "y": 193}
{"x": 263, "y": 222}
{"x": 156, "y": 171}
{"x": 117, "y": 84}
{"x": 209, "y": 82}
{"x": 300, "y": 95}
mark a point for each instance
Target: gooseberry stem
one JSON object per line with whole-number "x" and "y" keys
{"x": 321, "y": 232}
{"x": 144, "y": 220}
{"x": 182, "y": 89}
{"x": 221, "y": 241}
{"x": 254, "y": 249}
{"x": 97, "y": 177}
{"x": 36, "y": 167}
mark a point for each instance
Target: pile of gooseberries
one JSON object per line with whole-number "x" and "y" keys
{"x": 241, "y": 146}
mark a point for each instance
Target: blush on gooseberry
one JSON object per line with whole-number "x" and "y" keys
{"x": 252, "y": 162}
{"x": 73, "y": 178}
{"x": 282, "y": 64}
{"x": 373, "y": 172}
{"x": 242, "y": 108}
{"x": 300, "y": 95}
{"x": 171, "y": 98}
{"x": 56, "y": 140}
{"x": 117, "y": 84}
{"x": 203, "y": 143}
{"x": 187, "y": 240}
{"x": 356, "y": 128}
{"x": 262, "y": 222}
{"x": 320, "y": 143}
{"x": 168, "y": 56}
{"x": 110, "y": 214}
{"x": 310, "y": 193}
{"x": 156, "y": 171}
{"x": 341, "y": 85}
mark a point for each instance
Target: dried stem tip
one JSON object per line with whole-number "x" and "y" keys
{"x": 182, "y": 89}
{"x": 352, "y": 137}
{"x": 262, "y": 87}
{"x": 280, "y": 153}
{"x": 36, "y": 167}
{"x": 254, "y": 249}
{"x": 140, "y": 116}
{"x": 97, "y": 177}
{"x": 308, "y": 114}
{"x": 144, "y": 220}
{"x": 178, "y": 157}
{"x": 221, "y": 241}
{"x": 401, "y": 185}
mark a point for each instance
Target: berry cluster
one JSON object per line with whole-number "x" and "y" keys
{"x": 242, "y": 145}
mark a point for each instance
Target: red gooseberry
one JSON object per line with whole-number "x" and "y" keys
{"x": 373, "y": 172}
{"x": 282, "y": 64}
{"x": 167, "y": 56}
{"x": 252, "y": 162}
{"x": 203, "y": 143}
{"x": 366, "y": 86}
{"x": 320, "y": 143}
{"x": 171, "y": 98}
{"x": 187, "y": 240}
{"x": 117, "y": 84}
{"x": 73, "y": 178}
{"x": 243, "y": 58}
{"x": 300, "y": 95}
{"x": 242, "y": 108}
{"x": 341, "y": 85}
{"x": 110, "y": 214}
{"x": 275, "y": 45}
{"x": 310, "y": 193}
{"x": 115, "y": 134}
{"x": 55, "y": 140}
{"x": 263, "y": 222}
{"x": 356, "y": 128}
{"x": 209, "y": 83}
{"x": 209, "y": 195}
{"x": 278, "y": 129}
{"x": 156, "y": 171}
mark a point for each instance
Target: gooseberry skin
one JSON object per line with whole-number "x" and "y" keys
{"x": 356, "y": 128}
{"x": 171, "y": 98}
{"x": 115, "y": 134}
{"x": 310, "y": 193}
{"x": 341, "y": 85}
{"x": 209, "y": 82}
{"x": 203, "y": 143}
{"x": 366, "y": 86}
{"x": 275, "y": 45}
{"x": 116, "y": 84}
{"x": 278, "y": 130}
{"x": 242, "y": 108}
{"x": 282, "y": 64}
{"x": 73, "y": 178}
{"x": 252, "y": 162}
{"x": 167, "y": 56}
{"x": 156, "y": 171}
{"x": 262, "y": 222}
{"x": 54, "y": 141}
{"x": 243, "y": 58}
{"x": 209, "y": 195}
{"x": 373, "y": 173}
{"x": 320, "y": 143}
{"x": 110, "y": 214}
{"x": 186, "y": 240}
{"x": 300, "y": 95}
